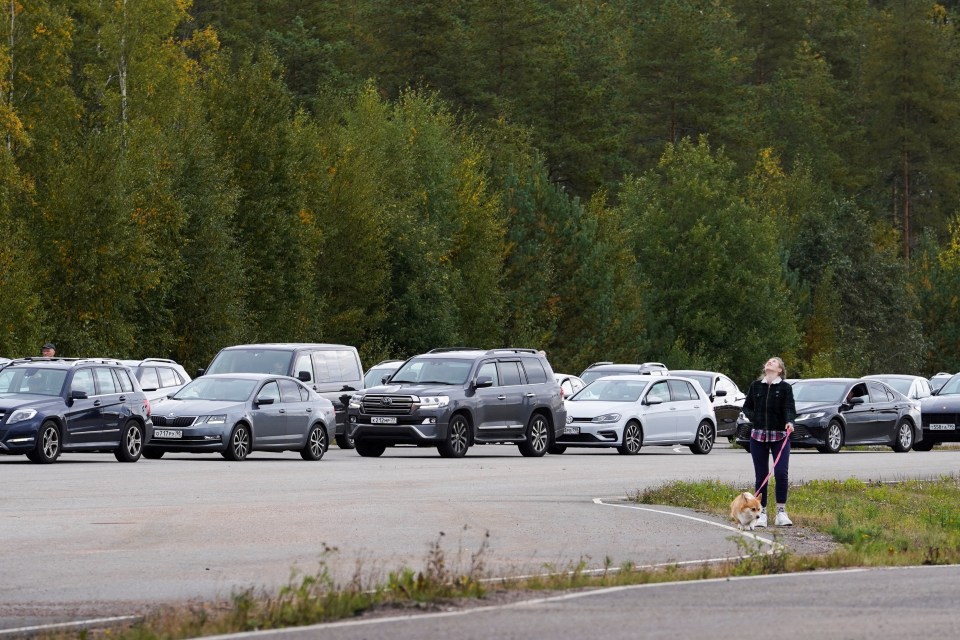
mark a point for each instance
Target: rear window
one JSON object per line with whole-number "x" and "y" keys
{"x": 149, "y": 379}
{"x": 275, "y": 361}
{"x": 535, "y": 371}
{"x": 168, "y": 377}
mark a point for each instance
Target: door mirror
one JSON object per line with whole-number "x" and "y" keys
{"x": 303, "y": 376}
{"x": 76, "y": 394}
{"x": 263, "y": 401}
{"x": 653, "y": 400}
{"x": 200, "y": 372}
{"x": 853, "y": 401}
{"x": 483, "y": 382}
{"x": 720, "y": 393}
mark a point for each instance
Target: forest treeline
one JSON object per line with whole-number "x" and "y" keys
{"x": 700, "y": 182}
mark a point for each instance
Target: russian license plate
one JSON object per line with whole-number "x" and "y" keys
{"x": 167, "y": 433}
{"x": 571, "y": 431}
{"x": 383, "y": 420}
{"x": 941, "y": 426}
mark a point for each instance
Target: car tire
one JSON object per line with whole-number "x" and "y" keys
{"x": 556, "y": 449}
{"x": 238, "y": 447}
{"x": 704, "y": 439}
{"x": 924, "y": 445}
{"x": 369, "y": 449}
{"x": 316, "y": 443}
{"x": 632, "y": 440}
{"x": 344, "y": 441}
{"x": 153, "y": 454}
{"x": 537, "y": 437}
{"x": 457, "y": 442}
{"x": 834, "y": 439}
{"x": 48, "y": 445}
{"x": 131, "y": 442}
{"x": 903, "y": 437}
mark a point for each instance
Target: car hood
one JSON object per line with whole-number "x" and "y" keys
{"x": 168, "y": 406}
{"x": 13, "y": 401}
{"x": 410, "y": 389}
{"x": 592, "y": 409}
{"x": 941, "y": 403}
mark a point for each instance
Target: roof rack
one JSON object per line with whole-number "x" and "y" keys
{"x": 42, "y": 359}
{"x": 167, "y": 360}
{"x": 597, "y": 364}
{"x": 449, "y": 349}
{"x": 510, "y": 350}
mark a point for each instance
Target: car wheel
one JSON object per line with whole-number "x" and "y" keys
{"x": 369, "y": 449}
{"x": 924, "y": 445}
{"x": 239, "y": 445}
{"x": 47, "y": 447}
{"x": 458, "y": 438}
{"x": 538, "y": 437}
{"x": 903, "y": 438}
{"x": 632, "y": 440}
{"x": 153, "y": 454}
{"x": 556, "y": 449}
{"x": 834, "y": 439}
{"x": 131, "y": 443}
{"x": 703, "y": 442}
{"x": 316, "y": 443}
{"x": 344, "y": 441}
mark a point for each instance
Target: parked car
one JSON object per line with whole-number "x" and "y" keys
{"x": 453, "y": 400}
{"x": 724, "y": 395}
{"x": 332, "y": 370}
{"x": 50, "y": 406}
{"x": 939, "y": 414}
{"x": 569, "y": 384}
{"x": 938, "y": 380}
{"x": 601, "y": 369}
{"x": 4, "y": 362}
{"x": 158, "y": 377}
{"x": 375, "y": 374}
{"x": 234, "y": 414}
{"x": 628, "y": 412}
{"x": 837, "y": 412}
{"x": 914, "y": 387}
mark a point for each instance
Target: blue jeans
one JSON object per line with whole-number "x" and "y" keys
{"x": 761, "y": 452}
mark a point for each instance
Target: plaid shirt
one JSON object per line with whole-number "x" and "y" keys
{"x": 760, "y": 435}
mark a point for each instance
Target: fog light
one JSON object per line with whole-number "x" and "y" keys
{"x": 13, "y": 440}
{"x": 353, "y": 419}
{"x": 429, "y": 421}
{"x": 211, "y": 437}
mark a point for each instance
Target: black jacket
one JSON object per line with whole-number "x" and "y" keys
{"x": 770, "y": 407}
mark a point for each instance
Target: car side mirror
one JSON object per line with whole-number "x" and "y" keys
{"x": 347, "y": 387}
{"x": 76, "y": 394}
{"x": 653, "y": 401}
{"x": 720, "y": 393}
{"x": 853, "y": 401}
{"x": 483, "y": 382}
{"x": 200, "y": 372}
{"x": 263, "y": 401}
{"x": 303, "y": 376}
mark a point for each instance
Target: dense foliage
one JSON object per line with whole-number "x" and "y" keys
{"x": 701, "y": 182}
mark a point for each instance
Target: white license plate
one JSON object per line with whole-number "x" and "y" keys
{"x": 167, "y": 433}
{"x": 943, "y": 427}
{"x": 383, "y": 420}
{"x": 571, "y": 431}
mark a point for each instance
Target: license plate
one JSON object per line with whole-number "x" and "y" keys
{"x": 383, "y": 420}
{"x": 571, "y": 431}
{"x": 943, "y": 427}
{"x": 167, "y": 433}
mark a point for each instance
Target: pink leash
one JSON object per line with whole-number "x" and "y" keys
{"x": 756, "y": 493}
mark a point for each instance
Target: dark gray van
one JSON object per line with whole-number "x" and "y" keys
{"x": 332, "y": 370}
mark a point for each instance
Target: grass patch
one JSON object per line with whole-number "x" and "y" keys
{"x": 904, "y": 523}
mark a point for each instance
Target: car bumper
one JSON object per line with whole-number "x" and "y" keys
{"x": 19, "y": 438}
{"x": 804, "y": 435}
{"x": 591, "y": 434}
{"x": 420, "y": 427}
{"x": 191, "y": 439}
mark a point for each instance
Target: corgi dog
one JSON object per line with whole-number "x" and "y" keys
{"x": 745, "y": 510}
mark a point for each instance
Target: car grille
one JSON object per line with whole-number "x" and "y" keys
{"x": 381, "y": 405}
{"x": 800, "y": 432}
{"x": 938, "y": 418}
{"x": 164, "y": 421}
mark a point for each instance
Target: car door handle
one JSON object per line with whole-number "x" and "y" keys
{"x": 673, "y": 408}
{"x": 123, "y": 398}
{"x": 283, "y": 410}
{"x": 309, "y": 410}
{"x": 96, "y": 403}
{"x": 530, "y": 395}
{"x": 501, "y": 397}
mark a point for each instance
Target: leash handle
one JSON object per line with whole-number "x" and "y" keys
{"x": 775, "y": 461}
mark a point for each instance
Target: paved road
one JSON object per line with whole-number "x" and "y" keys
{"x": 89, "y": 535}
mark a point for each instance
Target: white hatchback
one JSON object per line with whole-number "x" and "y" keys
{"x": 628, "y": 412}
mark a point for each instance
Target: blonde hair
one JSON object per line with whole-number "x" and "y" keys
{"x": 783, "y": 368}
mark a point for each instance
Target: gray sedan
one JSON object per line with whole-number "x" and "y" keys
{"x": 236, "y": 413}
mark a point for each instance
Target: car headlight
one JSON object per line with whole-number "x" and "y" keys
{"x": 434, "y": 402}
{"x": 20, "y": 415}
{"x": 607, "y": 417}
{"x": 811, "y": 416}
{"x": 355, "y": 402}
{"x": 212, "y": 419}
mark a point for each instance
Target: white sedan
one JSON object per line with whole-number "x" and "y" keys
{"x": 628, "y": 412}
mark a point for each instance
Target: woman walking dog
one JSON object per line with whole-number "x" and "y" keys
{"x": 769, "y": 406}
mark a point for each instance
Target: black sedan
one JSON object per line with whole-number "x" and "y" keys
{"x": 834, "y": 412}
{"x": 940, "y": 415}
{"x": 236, "y": 413}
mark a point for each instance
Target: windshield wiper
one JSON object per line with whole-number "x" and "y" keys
{"x": 434, "y": 382}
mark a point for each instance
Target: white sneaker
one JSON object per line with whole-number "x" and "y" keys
{"x": 782, "y": 519}
{"x": 762, "y": 520}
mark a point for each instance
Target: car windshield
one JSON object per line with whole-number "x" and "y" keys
{"x": 900, "y": 384}
{"x": 590, "y": 376}
{"x": 33, "y": 380}
{"x": 225, "y": 389}
{"x": 273, "y": 361}
{"x": 611, "y": 391}
{"x": 819, "y": 391}
{"x": 433, "y": 371}
{"x": 951, "y": 388}
{"x": 375, "y": 375}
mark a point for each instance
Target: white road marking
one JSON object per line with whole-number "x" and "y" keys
{"x": 67, "y": 625}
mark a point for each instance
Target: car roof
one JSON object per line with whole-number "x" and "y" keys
{"x": 64, "y": 363}
{"x": 892, "y": 376}
{"x": 280, "y": 346}
{"x": 471, "y": 353}
{"x": 386, "y": 363}
{"x": 698, "y": 372}
{"x": 247, "y": 376}
{"x": 625, "y": 367}
{"x": 830, "y": 380}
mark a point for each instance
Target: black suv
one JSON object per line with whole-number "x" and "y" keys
{"x": 454, "y": 398}
{"x": 332, "y": 370}
{"x": 54, "y": 405}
